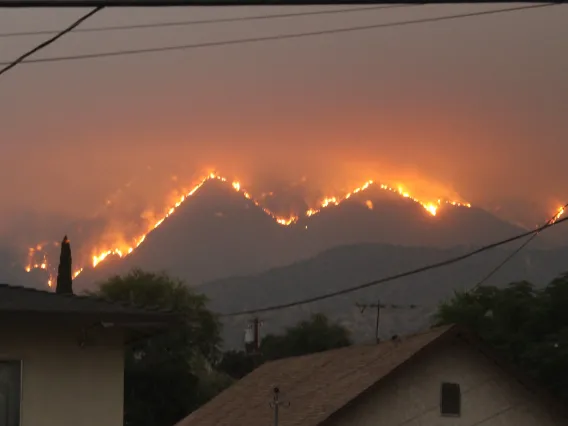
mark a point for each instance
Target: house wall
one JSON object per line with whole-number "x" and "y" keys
{"x": 411, "y": 396}
{"x": 64, "y": 384}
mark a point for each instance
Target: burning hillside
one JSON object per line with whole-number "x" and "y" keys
{"x": 121, "y": 245}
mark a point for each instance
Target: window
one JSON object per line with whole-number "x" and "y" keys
{"x": 450, "y": 399}
{"x": 10, "y": 386}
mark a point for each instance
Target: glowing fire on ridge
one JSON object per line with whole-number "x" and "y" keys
{"x": 560, "y": 212}
{"x": 124, "y": 250}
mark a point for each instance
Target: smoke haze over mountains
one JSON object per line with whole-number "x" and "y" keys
{"x": 473, "y": 107}
{"x": 466, "y": 110}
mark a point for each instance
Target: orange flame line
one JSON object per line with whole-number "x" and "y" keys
{"x": 560, "y": 212}
{"x": 97, "y": 258}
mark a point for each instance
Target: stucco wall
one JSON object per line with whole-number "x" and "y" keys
{"x": 64, "y": 384}
{"x": 411, "y": 397}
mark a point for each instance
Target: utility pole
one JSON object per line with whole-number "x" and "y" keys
{"x": 252, "y": 336}
{"x": 363, "y": 306}
{"x": 276, "y": 403}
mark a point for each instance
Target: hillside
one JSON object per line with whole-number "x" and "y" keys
{"x": 219, "y": 233}
{"x": 11, "y": 272}
{"x": 347, "y": 266}
{"x": 216, "y": 234}
{"x": 401, "y": 221}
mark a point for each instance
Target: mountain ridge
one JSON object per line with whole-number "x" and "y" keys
{"x": 347, "y": 266}
{"x": 126, "y": 243}
{"x": 223, "y": 232}
{"x": 220, "y": 234}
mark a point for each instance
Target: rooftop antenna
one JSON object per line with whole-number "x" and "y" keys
{"x": 362, "y": 307}
{"x": 276, "y": 403}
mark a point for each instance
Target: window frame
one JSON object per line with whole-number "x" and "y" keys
{"x": 450, "y": 414}
{"x": 20, "y": 364}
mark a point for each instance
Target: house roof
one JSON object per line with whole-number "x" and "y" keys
{"x": 321, "y": 384}
{"x": 24, "y": 300}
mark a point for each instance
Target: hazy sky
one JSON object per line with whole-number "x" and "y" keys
{"x": 476, "y": 105}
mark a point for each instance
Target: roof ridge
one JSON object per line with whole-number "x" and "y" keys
{"x": 403, "y": 338}
{"x": 353, "y": 373}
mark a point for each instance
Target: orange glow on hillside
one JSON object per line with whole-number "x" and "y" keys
{"x": 122, "y": 249}
{"x": 560, "y": 212}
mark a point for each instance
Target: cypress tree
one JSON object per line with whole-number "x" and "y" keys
{"x": 64, "y": 277}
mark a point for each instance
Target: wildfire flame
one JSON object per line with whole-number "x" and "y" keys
{"x": 560, "y": 212}
{"x": 124, "y": 249}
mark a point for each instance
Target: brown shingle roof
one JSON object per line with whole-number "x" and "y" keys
{"x": 14, "y": 299}
{"x": 315, "y": 385}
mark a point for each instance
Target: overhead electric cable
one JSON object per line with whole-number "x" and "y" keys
{"x": 18, "y": 4}
{"x": 278, "y": 37}
{"x": 21, "y": 59}
{"x": 396, "y": 276}
{"x": 514, "y": 253}
{"x": 202, "y": 21}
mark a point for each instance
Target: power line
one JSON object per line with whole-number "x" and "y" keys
{"x": 46, "y": 43}
{"x": 217, "y": 3}
{"x": 396, "y": 276}
{"x": 279, "y": 37}
{"x": 201, "y": 21}
{"x": 514, "y": 253}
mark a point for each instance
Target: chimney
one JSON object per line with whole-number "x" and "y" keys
{"x": 64, "y": 277}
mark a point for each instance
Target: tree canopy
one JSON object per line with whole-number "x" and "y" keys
{"x": 526, "y": 324}
{"x": 169, "y": 375}
{"x": 314, "y": 335}
{"x": 317, "y": 334}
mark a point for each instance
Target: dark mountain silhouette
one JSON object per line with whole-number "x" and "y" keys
{"x": 347, "y": 266}
{"x": 219, "y": 233}
{"x": 397, "y": 220}
{"x": 215, "y": 234}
